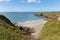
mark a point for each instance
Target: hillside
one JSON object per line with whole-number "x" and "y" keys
{"x": 49, "y": 15}
{"x": 9, "y": 32}
{"x": 4, "y": 20}
{"x": 51, "y": 31}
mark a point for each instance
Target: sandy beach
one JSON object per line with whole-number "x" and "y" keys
{"x": 37, "y": 25}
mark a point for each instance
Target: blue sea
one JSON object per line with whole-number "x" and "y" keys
{"x": 21, "y": 16}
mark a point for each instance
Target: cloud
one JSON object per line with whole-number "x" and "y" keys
{"x": 31, "y": 1}
{"x": 34, "y": 1}
{"x": 5, "y": 0}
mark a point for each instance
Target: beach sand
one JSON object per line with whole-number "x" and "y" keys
{"x": 37, "y": 25}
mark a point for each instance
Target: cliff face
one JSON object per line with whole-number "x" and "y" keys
{"x": 4, "y": 20}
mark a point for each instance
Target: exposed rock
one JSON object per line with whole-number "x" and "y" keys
{"x": 27, "y": 30}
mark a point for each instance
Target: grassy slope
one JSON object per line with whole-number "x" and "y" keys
{"x": 5, "y": 20}
{"x": 8, "y": 32}
{"x": 51, "y": 31}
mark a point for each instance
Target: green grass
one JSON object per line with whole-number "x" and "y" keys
{"x": 9, "y": 32}
{"x": 51, "y": 31}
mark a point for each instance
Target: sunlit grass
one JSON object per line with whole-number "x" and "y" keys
{"x": 51, "y": 30}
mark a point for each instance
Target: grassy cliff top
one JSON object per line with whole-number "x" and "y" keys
{"x": 51, "y": 31}
{"x": 49, "y": 14}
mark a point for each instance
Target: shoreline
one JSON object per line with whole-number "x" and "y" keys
{"x": 37, "y": 25}
{"x": 28, "y": 23}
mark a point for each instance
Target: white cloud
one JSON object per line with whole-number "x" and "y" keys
{"x": 29, "y": 1}
{"x": 35, "y": 1}
{"x": 5, "y": 0}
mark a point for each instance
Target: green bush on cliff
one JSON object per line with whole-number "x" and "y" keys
{"x": 51, "y": 31}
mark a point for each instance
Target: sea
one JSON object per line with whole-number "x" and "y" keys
{"x": 21, "y": 16}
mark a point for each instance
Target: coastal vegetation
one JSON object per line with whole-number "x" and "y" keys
{"x": 48, "y": 15}
{"x": 4, "y": 20}
{"x": 51, "y": 30}
{"x": 9, "y": 32}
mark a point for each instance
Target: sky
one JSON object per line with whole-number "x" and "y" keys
{"x": 29, "y": 5}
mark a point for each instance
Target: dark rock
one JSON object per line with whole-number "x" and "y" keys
{"x": 2, "y": 17}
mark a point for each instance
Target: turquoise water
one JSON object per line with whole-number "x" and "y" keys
{"x": 21, "y": 16}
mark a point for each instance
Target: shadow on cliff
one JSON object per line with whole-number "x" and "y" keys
{"x": 6, "y": 20}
